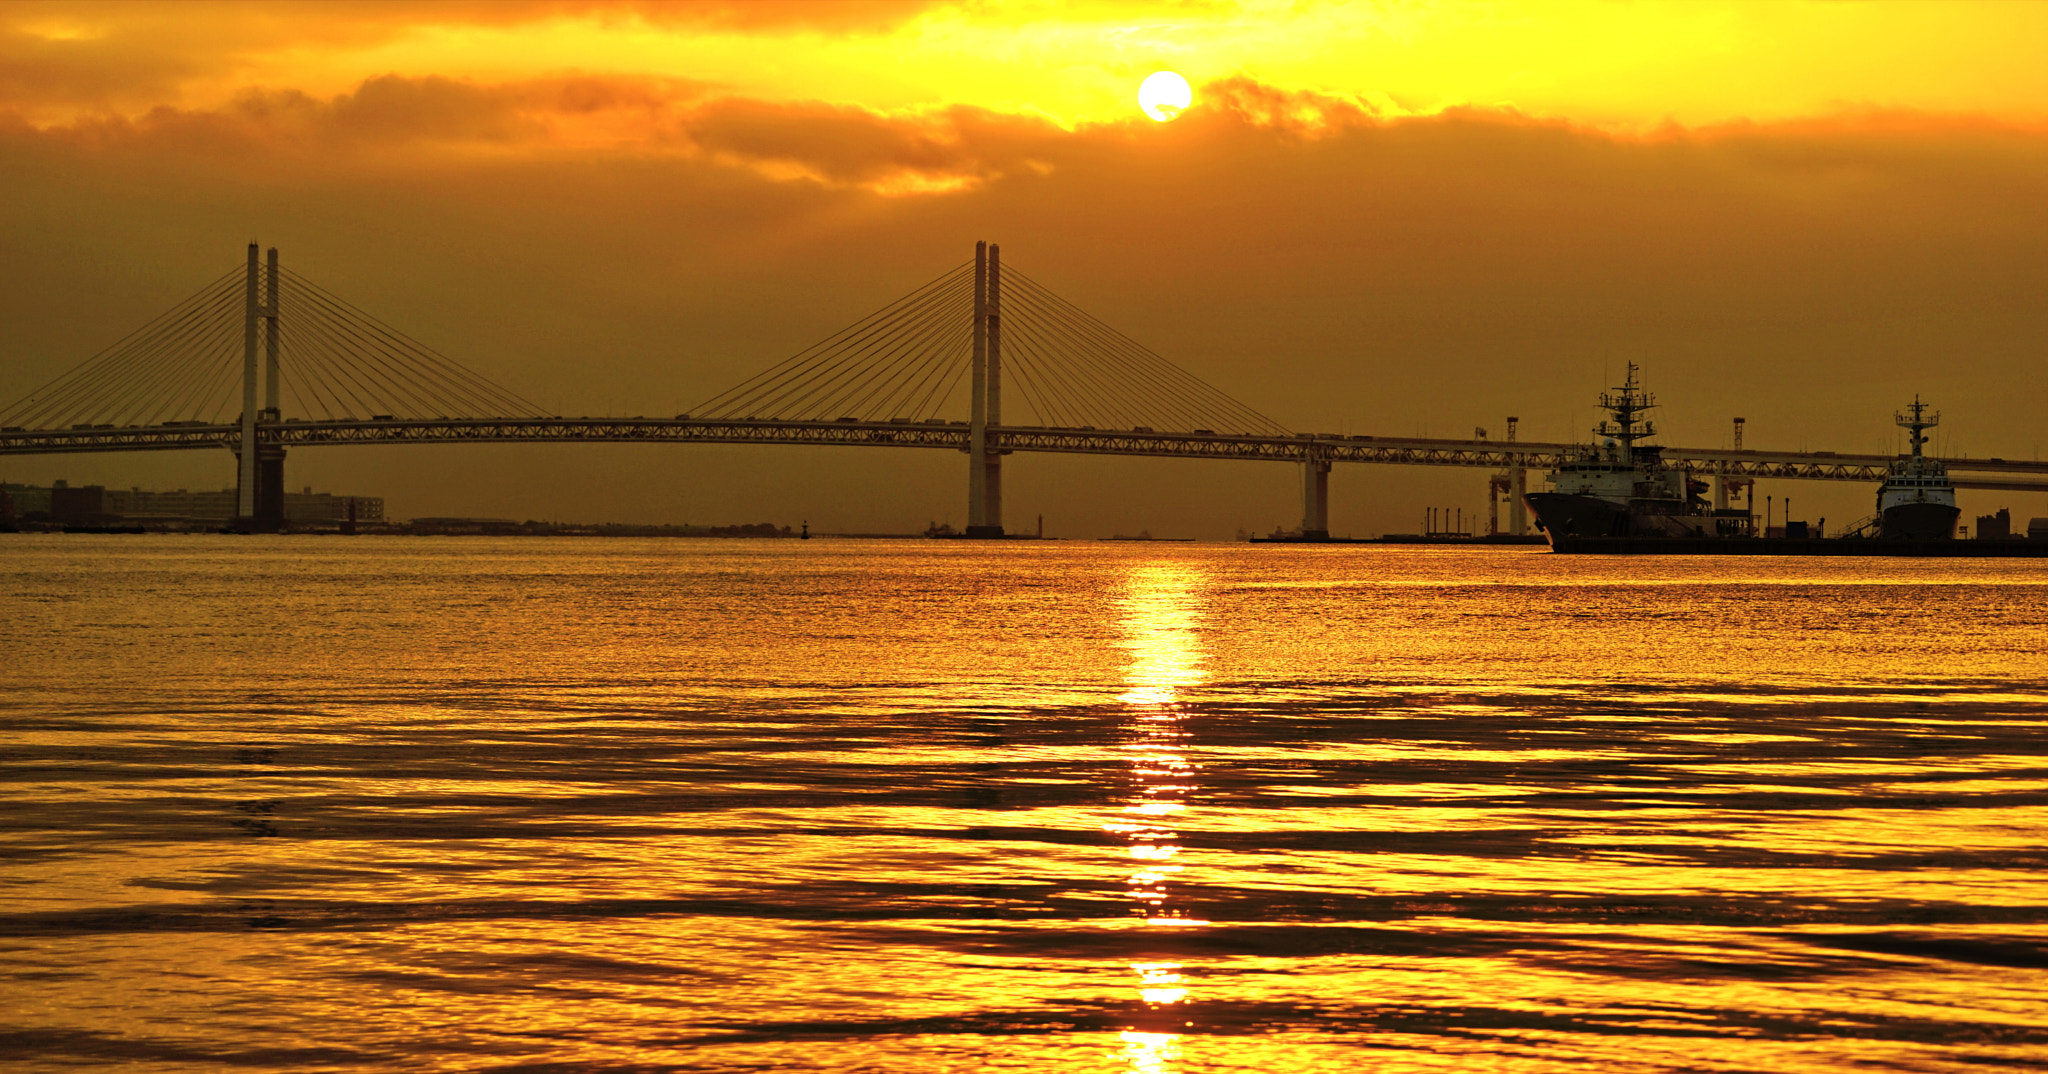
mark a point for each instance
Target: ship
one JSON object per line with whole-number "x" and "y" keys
{"x": 1917, "y": 501}
{"x": 1619, "y": 486}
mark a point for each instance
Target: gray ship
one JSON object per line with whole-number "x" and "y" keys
{"x": 1620, "y": 487}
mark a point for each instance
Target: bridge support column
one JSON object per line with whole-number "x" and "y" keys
{"x": 985, "y": 459}
{"x": 269, "y": 456}
{"x": 246, "y": 452}
{"x": 1315, "y": 500}
{"x": 977, "y": 399}
{"x": 269, "y": 488}
{"x": 992, "y": 509}
{"x": 1518, "y": 508}
{"x": 1518, "y": 487}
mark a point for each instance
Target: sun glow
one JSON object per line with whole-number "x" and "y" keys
{"x": 1630, "y": 67}
{"x": 1165, "y": 95}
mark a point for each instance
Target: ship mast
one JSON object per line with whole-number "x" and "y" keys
{"x": 1627, "y": 403}
{"x": 1916, "y": 422}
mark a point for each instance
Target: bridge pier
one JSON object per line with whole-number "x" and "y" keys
{"x": 270, "y": 456}
{"x": 245, "y": 498}
{"x": 1518, "y": 507}
{"x": 1518, "y": 487}
{"x": 984, "y": 458}
{"x": 269, "y": 488}
{"x": 1315, "y": 499}
{"x": 259, "y": 503}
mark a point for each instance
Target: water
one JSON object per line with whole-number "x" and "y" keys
{"x": 391, "y": 804}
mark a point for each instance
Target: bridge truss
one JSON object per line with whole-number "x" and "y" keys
{"x": 954, "y": 436}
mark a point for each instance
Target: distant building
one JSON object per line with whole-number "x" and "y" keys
{"x": 310, "y": 506}
{"x": 1996, "y": 527}
{"x": 83, "y": 504}
{"x": 28, "y": 500}
{"x": 62, "y": 502}
{"x": 182, "y": 505}
{"x": 2037, "y": 529}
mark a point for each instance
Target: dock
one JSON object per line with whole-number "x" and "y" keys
{"x": 1797, "y": 546}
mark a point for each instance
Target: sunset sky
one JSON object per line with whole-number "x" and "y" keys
{"x": 1377, "y": 217}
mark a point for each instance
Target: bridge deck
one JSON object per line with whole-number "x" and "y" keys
{"x": 953, "y": 436}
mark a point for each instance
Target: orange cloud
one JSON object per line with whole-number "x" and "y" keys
{"x": 835, "y": 145}
{"x": 1296, "y": 111}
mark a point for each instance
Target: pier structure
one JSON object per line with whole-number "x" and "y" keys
{"x": 1507, "y": 486}
{"x": 1727, "y": 486}
{"x": 1518, "y": 491}
{"x": 985, "y": 405}
{"x": 259, "y": 460}
{"x": 1315, "y": 497}
{"x": 888, "y": 380}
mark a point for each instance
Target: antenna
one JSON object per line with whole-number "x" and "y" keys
{"x": 1917, "y": 423}
{"x": 1626, "y": 403}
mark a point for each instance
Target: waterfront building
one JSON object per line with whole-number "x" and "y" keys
{"x": 96, "y": 504}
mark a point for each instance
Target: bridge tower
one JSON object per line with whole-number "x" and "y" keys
{"x": 259, "y": 503}
{"x": 245, "y": 453}
{"x": 984, "y": 457}
{"x": 270, "y": 456}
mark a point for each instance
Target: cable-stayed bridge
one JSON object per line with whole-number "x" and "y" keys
{"x": 933, "y": 369}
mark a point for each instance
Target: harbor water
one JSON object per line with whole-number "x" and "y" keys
{"x": 575, "y": 805}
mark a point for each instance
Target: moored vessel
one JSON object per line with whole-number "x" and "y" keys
{"x": 1621, "y": 487}
{"x": 1917, "y": 500}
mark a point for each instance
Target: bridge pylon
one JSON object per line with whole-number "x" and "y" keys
{"x": 259, "y": 501}
{"x": 984, "y": 457}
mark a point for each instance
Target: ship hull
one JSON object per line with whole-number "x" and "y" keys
{"x": 1919, "y": 521}
{"x": 1562, "y": 514}
{"x": 1565, "y": 514}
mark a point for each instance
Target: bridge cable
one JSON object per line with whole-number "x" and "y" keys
{"x": 1182, "y": 399}
{"x": 99, "y": 387}
{"x": 386, "y": 365}
{"x": 800, "y": 379}
{"x": 819, "y": 389}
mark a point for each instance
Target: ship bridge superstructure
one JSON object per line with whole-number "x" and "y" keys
{"x": 1613, "y": 467}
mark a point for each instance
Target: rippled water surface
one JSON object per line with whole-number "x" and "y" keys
{"x": 391, "y": 804}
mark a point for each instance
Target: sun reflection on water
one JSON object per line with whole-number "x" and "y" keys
{"x": 1150, "y": 1053}
{"x": 1161, "y": 620}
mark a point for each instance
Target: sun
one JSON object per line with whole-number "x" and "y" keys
{"x": 1164, "y": 95}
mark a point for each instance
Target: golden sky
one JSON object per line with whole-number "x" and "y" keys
{"x": 1410, "y": 217}
{"x": 1622, "y": 66}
